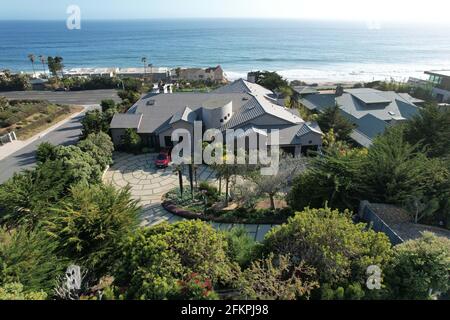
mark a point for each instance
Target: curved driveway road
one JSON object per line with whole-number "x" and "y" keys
{"x": 66, "y": 134}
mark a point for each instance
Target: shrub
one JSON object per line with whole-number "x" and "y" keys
{"x": 45, "y": 151}
{"x": 211, "y": 192}
{"x": 96, "y": 121}
{"x": 420, "y": 268}
{"x": 15, "y": 291}
{"x": 277, "y": 279}
{"x": 241, "y": 247}
{"x": 107, "y": 104}
{"x": 330, "y": 242}
{"x": 156, "y": 259}
{"x": 79, "y": 166}
{"x": 100, "y": 147}
{"x": 131, "y": 141}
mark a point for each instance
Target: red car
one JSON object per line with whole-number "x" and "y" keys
{"x": 163, "y": 160}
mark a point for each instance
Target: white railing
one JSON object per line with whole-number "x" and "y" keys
{"x": 7, "y": 138}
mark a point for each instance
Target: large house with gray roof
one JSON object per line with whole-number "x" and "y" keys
{"x": 370, "y": 110}
{"x": 238, "y": 105}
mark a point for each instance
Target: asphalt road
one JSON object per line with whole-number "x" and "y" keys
{"x": 66, "y": 134}
{"x": 90, "y": 97}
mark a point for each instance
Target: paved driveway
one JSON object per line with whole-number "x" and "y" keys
{"x": 148, "y": 184}
{"x": 25, "y": 158}
{"x": 87, "y": 97}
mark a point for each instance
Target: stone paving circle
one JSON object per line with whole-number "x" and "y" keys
{"x": 148, "y": 184}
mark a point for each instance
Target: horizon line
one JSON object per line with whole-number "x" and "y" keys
{"x": 235, "y": 18}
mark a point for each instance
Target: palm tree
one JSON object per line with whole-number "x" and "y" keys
{"x": 144, "y": 61}
{"x": 191, "y": 179}
{"x": 32, "y": 58}
{"x": 179, "y": 170}
{"x": 43, "y": 61}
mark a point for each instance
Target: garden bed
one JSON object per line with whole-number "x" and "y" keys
{"x": 185, "y": 207}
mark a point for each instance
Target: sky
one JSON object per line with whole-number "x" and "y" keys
{"x": 429, "y": 11}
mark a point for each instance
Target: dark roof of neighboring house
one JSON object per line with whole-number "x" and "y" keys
{"x": 384, "y": 105}
{"x": 442, "y": 73}
{"x": 213, "y": 69}
{"x": 243, "y": 86}
{"x": 304, "y": 90}
{"x": 319, "y": 102}
{"x": 399, "y": 221}
{"x": 370, "y": 110}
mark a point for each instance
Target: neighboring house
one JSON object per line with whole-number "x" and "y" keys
{"x": 38, "y": 83}
{"x": 370, "y": 110}
{"x": 239, "y": 105}
{"x": 215, "y": 74}
{"x": 156, "y": 74}
{"x": 395, "y": 222}
{"x": 90, "y": 72}
{"x": 440, "y": 81}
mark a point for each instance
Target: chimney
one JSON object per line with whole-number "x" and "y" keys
{"x": 252, "y": 77}
{"x": 339, "y": 91}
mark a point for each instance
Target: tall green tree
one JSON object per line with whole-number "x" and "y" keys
{"x": 29, "y": 258}
{"x": 332, "y": 119}
{"x": 108, "y": 104}
{"x": 91, "y": 223}
{"x": 55, "y": 65}
{"x": 131, "y": 141}
{"x": 336, "y": 179}
{"x": 26, "y": 197}
{"x": 96, "y": 121}
{"x": 32, "y": 59}
{"x": 430, "y": 129}
{"x": 271, "y": 80}
{"x": 43, "y": 61}
{"x": 395, "y": 170}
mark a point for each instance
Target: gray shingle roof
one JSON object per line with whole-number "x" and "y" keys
{"x": 303, "y": 90}
{"x": 164, "y": 107}
{"x": 319, "y": 102}
{"x": 158, "y": 112}
{"x": 125, "y": 120}
{"x": 289, "y": 134}
{"x": 384, "y": 105}
{"x": 243, "y": 86}
{"x": 186, "y": 115}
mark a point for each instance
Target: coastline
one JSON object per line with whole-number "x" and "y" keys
{"x": 327, "y": 76}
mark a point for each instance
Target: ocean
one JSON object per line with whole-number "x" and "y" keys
{"x": 305, "y": 50}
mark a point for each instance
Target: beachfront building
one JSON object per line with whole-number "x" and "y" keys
{"x": 156, "y": 74}
{"x": 370, "y": 110}
{"x": 440, "y": 82}
{"x": 214, "y": 74}
{"x": 238, "y": 105}
{"x": 90, "y": 72}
